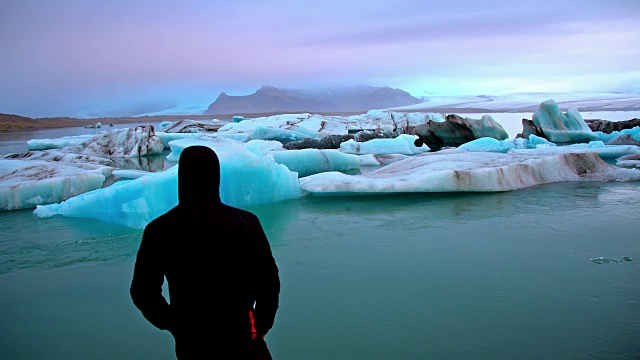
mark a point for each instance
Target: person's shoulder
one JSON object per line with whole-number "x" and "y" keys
{"x": 163, "y": 220}
{"x": 240, "y": 214}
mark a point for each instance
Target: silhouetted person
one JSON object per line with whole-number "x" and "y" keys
{"x": 217, "y": 262}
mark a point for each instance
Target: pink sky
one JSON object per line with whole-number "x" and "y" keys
{"x": 116, "y": 57}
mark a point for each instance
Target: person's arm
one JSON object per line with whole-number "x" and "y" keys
{"x": 268, "y": 292}
{"x": 146, "y": 286}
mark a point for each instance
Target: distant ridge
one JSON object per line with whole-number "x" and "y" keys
{"x": 529, "y": 102}
{"x": 346, "y": 99}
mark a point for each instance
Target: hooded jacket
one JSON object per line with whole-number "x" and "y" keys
{"x": 216, "y": 259}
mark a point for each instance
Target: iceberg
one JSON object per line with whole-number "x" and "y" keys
{"x": 26, "y": 184}
{"x": 123, "y": 143}
{"x": 130, "y": 174}
{"x": 390, "y": 121}
{"x": 460, "y": 170}
{"x": 535, "y": 142}
{"x": 456, "y": 130}
{"x": 632, "y": 160}
{"x": 82, "y": 161}
{"x": 246, "y": 179}
{"x": 488, "y": 144}
{"x": 312, "y": 161}
{"x": 167, "y": 137}
{"x": 46, "y": 144}
{"x": 633, "y": 133}
{"x": 189, "y": 126}
{"x": 307, "y": 124}
{"x": 282, "y": 135}
{"x": 133, "y": 203}
{"x": 262, "y": 147}
{"x": 315, "y": 129}
{"x": 257, "y": 166}
{"x": 373, "y": 120}
{"x": 560, "y": 127}
{"x": 624, "y": 139}
{"x": 403, "y": 144}
{"x": 605, "y": 151}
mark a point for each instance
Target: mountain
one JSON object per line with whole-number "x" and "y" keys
{"x": 345, "y": 99}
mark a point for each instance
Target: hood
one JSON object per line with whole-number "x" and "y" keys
{"x": 198, "y": 177}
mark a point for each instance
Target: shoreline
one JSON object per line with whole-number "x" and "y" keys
{"x": 15, "y": 123}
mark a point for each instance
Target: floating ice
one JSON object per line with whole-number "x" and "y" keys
{"x": 307, "y": 124}
{"x": 634, "y": 133}
{"x": 605, "y": 151}
{"x": 370, "y": 160}
{"x": 623, "y": 139}
{"x": 403, "y": 144}
{"x": 127, "y": 142}
{"x": 189, "y": 126}
{"x": 318, "y": 125}
{"x": 632, "y": 160}
{"x": 535, "y": 142}
{"x": 46, "y": 144}
{"x": 456, "y": 130}
{"x": 238, "y": 118}
{"x": 488, "y": 144}
{"x": 603, "y": 260}
{"x": 246, "y": 179}
{"x": 390, "y": 121}
{"x": 253, "y": 170}
{"x": 282, "y": 135}
{"x": 168, "y": 137}
{"x": 224, "y": 148}
{"x": 560, "y": 127}
{"x": 262, "y": 147}
{"x": 312, "y": 161}
{"x": 459, "y": 170}
{"x": 132, "y": 203}
{"x": 25, "y": 184}
{"x": 130, "y": 174}
{"x": 82, "y": 161}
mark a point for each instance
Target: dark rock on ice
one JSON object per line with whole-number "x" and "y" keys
{"x": 190, "y": 126}
{"x": 529, "y": 128}
{"x": 120, "y": 143}
{"x": 327, "y": 142}
{"x": 456, "y": 130}
{"x": 623, "y": 139}
{"x": 334, "y": 141}
{"x": 608, "y": 127}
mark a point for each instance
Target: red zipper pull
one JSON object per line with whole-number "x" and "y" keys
{"x": 254, "y": 332}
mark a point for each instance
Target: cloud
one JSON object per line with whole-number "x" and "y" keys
{"x": 65, "y": 56}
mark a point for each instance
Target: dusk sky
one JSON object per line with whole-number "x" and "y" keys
{"x": 96, "y": 57}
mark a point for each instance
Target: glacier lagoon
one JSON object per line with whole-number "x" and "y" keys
{"x": 456, "y": 276}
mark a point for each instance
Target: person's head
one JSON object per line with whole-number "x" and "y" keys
{"x": 198, "y": 176}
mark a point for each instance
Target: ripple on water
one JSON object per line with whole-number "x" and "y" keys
{"x": 34, "y": 243}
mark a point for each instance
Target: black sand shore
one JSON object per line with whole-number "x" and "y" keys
{"x": 10, "y": 122}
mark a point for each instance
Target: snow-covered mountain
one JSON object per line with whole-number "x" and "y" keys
{"x": 528, "y": 102}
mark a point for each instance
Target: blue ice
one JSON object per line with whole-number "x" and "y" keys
{"x": 634, "y": 133}
{"x": 246, "y": 179}
{"x": 503, "y": 146}
{"x": 313, "y": 161}
{"x": 560, "y": 127}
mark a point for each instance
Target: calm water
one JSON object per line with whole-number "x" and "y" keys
{"x": 422, "y": 276}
